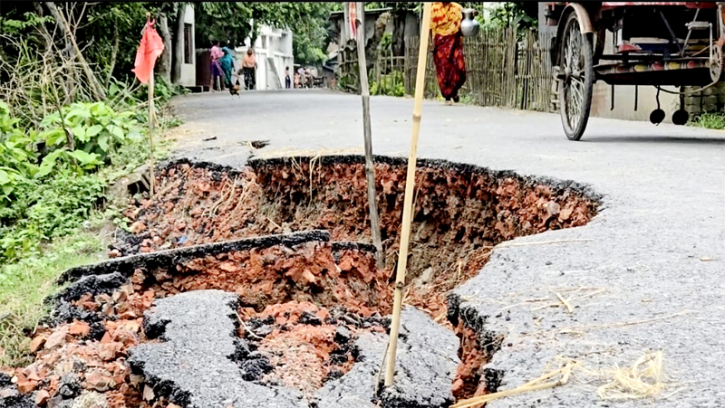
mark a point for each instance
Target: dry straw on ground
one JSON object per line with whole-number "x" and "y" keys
{"x": 645, "y": 378}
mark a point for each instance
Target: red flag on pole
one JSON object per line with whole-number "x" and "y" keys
{"x": 150, "y": 48}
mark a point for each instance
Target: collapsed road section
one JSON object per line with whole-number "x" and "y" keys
{"x": 213, "y": 301}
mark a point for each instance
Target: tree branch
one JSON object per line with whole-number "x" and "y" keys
{"x": 98, "y": 92}
{"x": 114, "y": 54}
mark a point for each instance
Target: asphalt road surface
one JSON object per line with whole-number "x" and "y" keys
{"x": 652, "y": 259}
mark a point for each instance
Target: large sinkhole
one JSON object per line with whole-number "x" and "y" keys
{"x": 304, "y": 300}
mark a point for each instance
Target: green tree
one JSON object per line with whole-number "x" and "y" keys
{"x": 232, "y": 23}
{"x": 520, "y": 14}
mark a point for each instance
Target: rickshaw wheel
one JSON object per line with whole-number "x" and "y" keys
{"x": 577, "y": 78}
{"x": 716, "y": 64}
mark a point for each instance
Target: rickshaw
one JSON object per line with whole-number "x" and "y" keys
{"x": 653, "y": 43}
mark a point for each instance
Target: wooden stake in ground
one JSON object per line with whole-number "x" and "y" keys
{"x": 152, "y": 125}
{"x": 152, "y": 120}
{"x": 369, "y": 166}
{"x": 409, "y": 185}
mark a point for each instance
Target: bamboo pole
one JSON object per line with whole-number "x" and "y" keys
{"x": 152, "y": 117}
{"x": 408, "y": 203}
{"x": 369, "y": 167}
{"x": 152, "y": 123}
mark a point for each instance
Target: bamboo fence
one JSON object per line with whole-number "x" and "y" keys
{"x": 502, "y": 69}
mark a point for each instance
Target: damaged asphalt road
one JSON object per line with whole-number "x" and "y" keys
{"x": 643, "y": 275}
{"x": 193, "y": 366}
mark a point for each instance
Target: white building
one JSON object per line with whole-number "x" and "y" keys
{"x": 188, "y": 65}
{"x": 273, "y": 50}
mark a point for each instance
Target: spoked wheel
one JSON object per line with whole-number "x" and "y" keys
{"x": 716, "y": 63}
{"x": 576, "y": 76}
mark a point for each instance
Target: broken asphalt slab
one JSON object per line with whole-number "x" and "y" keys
{"x": 126, "y": 265}
{"x": 193, "y": 365}
{"x": 425, "y": 369}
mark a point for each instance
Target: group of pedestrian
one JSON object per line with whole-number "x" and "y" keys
{"x": 222, "y": 68}
{"x": 304, "y": 77}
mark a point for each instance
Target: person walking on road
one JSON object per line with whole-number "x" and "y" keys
{"x": 287, "y": 79}
{"x": 301, "y": 72}
{"x": 448, "y": 49}
{"x": 249, "y": 68}
{"x": 227, "y": 64}
{"x": 216, "y": 69}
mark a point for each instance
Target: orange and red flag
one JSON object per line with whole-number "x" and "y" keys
{"x": 150, "y": 48}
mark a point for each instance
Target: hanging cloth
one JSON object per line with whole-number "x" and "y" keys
{"x": 148, "y": 51}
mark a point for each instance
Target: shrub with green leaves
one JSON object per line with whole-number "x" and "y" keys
{"x": 163, "y": 91}
{"x": 390, "y": 85}
{"x": 709, "y": 120}
{"x": 48, "y": 193}
{"x": 95, "y": 129}
{"x": 16, "y": 157}
{"x": 45, "y": 210}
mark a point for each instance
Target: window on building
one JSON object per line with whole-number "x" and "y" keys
{"x": 264, "y": 42}
{"x": 188, "y": 45}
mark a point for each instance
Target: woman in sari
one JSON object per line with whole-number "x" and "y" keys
{"x": 227, "y": 63}
{"x": 448, "y": 48}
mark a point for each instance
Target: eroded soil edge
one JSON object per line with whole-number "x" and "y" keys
{"x": 313, "y": 292}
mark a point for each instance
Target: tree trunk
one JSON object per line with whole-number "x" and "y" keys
{"x": 178, "y": 44}
{"x": 399, "y": 32}
{"x": 165, "y": 60}
{"x": 98, "y": 92}
{"x": 253, "y": 35}
{"x": 114, "y": 55}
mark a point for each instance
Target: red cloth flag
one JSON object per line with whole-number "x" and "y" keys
{"x": 150, "y": 48}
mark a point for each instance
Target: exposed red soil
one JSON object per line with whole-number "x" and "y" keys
{"x": 467, "y": 383}
{"x": 304, "y": 346}
{"x": 279, "y": 274}
{"x": 99, "y": 365}
{"x": 458, "y": 218}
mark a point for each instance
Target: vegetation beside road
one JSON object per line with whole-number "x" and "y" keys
{"x": 73, "y": 120}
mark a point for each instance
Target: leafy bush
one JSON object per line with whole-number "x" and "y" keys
{"x": 46, "y": 210}
{"x": 386, "y": 42}
{"x": 95, "y": 128}
{"x": 15, "y": 156}
{"x": 163, "y": 91}
{"x": 390, "y": 85}
{"x": 47, "y": 194}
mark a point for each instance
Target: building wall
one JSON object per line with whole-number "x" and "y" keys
{"x": 188, "y": 70}
{"x": 274, "y": 43}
